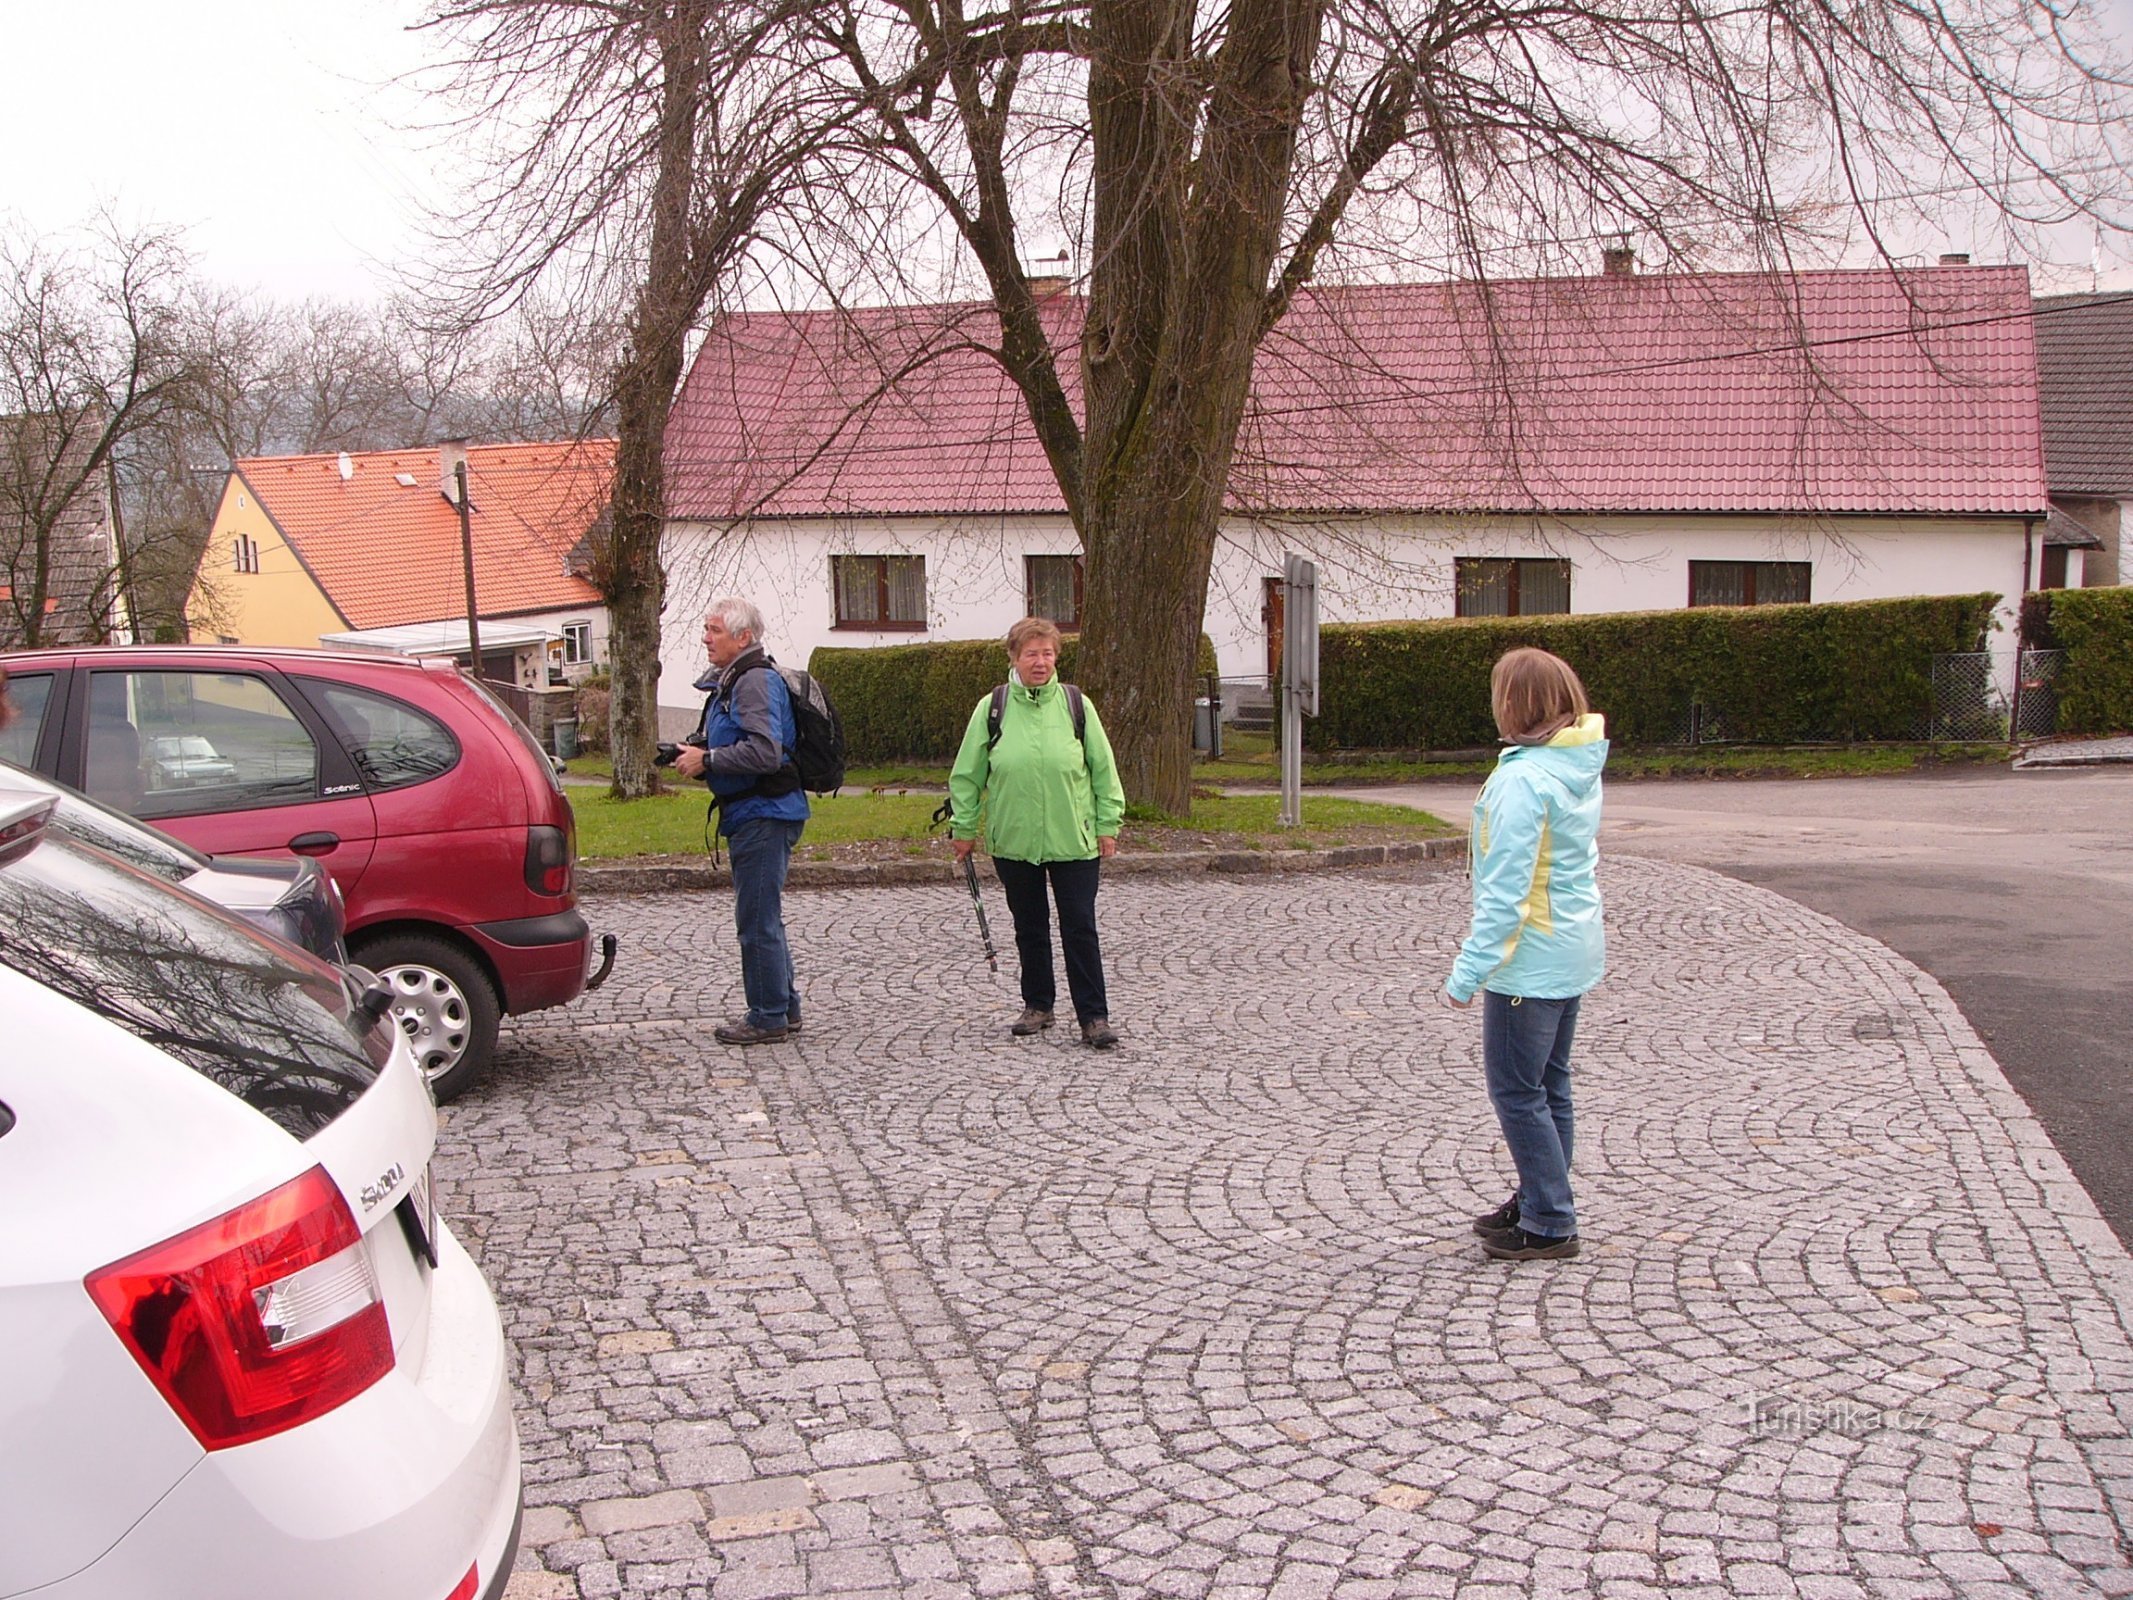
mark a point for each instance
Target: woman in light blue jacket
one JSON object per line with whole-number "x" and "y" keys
{"x": 1536, "y": 943}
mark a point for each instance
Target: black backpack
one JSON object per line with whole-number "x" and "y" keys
{"x": 818, "y": 733}
{"x": 817, "y": 763}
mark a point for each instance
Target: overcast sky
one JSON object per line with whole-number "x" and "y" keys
{"x": 272, "y": 133}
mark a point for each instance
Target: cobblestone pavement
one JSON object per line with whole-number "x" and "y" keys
{"x": 905, "y": 1306}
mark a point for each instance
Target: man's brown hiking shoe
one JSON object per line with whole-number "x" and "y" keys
{"x": 1031, "y": 1021}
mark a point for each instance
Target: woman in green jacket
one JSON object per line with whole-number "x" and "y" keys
{"x": 1052, "y": 805}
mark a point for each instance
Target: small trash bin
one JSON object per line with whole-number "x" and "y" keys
{"x": 566, "y": 738}
{"x": 1203, "y": 725}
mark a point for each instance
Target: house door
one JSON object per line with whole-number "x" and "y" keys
{"x": 1270, "y": 613}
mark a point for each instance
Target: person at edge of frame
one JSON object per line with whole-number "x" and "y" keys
{"x": 743, "y": 749}
{"x": 1053, "y": 804}
{"x": 1536, "y": 943}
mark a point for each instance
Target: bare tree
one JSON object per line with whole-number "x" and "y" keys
{"x": 634, "y": 150}
{"x": 1210, "y": 162}
{"x": 91, "y": 352}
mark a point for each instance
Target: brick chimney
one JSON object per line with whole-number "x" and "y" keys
{"x": 1955, "y": 258}
{"x": 1618, "y": 259}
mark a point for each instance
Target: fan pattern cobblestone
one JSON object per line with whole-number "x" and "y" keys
{"x": 907, "y": 1307}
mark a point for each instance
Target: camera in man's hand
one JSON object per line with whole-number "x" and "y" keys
{"x": 666, "y": 755}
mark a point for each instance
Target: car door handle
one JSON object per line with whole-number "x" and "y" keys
{"x": 315, "y": 844}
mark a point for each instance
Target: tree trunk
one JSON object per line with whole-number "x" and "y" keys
{"x": 1185, "y": 242}
{"x": 636, "y": 581}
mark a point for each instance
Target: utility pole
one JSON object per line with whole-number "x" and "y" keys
{"x": 466, "y": 556}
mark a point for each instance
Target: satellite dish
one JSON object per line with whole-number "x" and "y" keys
{"x": 348, "y": 467}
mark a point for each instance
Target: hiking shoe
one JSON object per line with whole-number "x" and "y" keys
{"x": 1097, "y": 1033}
{"x": 1504, "y": 1216}
{"x": 1031, "y": 1021}
{"x": 792, "y": 1023}
{"x": 1515, "y": 1244}
{"x": 746, "y": 1032}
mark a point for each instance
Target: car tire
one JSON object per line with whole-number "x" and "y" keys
{"x": 443, "y": 1001}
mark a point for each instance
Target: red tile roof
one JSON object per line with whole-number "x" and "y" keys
{"x": 1841, "y": 391}
{"x": 387, "y": 552}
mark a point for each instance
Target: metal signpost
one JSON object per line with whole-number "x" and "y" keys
{"x": 1299, "y": 677}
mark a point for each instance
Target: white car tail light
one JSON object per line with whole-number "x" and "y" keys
{"x": 256, "y": 1321}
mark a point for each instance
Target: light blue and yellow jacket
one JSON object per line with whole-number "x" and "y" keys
{"x": 1535, "y": 851}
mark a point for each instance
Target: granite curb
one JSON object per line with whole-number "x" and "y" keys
{"x": 672, "y": 877}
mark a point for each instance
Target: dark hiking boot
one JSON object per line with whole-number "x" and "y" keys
{"x": 746, "y": 1032}
{"x": 1097, "y": 1033}
{"x": 1515, "y": 1244}
{"x": 1031, "y": 1021}
{"x": 1504, "y": 1216}
{"x": 792, "y": 1022}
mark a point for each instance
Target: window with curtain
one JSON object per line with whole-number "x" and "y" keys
{"x": 1052, "y": 588}
{"x": 880, "y": 591}
{"x": 1517, "y": 586}
{"x": 1750, "y": 583}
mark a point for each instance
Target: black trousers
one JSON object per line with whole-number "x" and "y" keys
{"x": 1074, "y": 887}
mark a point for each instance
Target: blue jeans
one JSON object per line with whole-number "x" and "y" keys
{"x": 761, "y": 850}
{"x": 1525, "y": 1050}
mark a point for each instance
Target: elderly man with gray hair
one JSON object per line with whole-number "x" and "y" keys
{"x": 743, "y": 749}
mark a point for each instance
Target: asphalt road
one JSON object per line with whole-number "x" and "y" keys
{"x": 2014, "y": 889}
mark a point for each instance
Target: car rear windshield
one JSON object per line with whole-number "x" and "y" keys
{"x": 204, "y": 988}
{"x": 111, "y": 831}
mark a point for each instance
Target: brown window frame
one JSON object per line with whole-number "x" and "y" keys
{"x": 1029, "y": 587}
{"x": 1517, "y": 565}
{"x": 1747, "y": 582}
{"x": 881, "y": 596}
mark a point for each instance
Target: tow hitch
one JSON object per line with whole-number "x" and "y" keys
{"x": 607, "y": 963}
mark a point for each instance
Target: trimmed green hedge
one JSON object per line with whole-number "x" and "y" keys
{"x": 1752, "y": 674}
{"x": 911, "y": 702}
{"x": 2095, "y": 629}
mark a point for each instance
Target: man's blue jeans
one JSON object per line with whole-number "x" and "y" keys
{"x": 1525, "y": 1050}
{"x": 761, "y": 850}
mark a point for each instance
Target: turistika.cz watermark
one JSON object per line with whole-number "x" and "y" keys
{"x": 1787, "y": 1417}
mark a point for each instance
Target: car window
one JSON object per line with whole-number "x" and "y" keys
{"x": 27, "y": 696}
{"x": 170, "y": 743}
{"x": 392, "y": 743}
{"x": 230, "y": 1003}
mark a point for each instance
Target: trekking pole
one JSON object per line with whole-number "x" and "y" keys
{"x": 970, "y": 876}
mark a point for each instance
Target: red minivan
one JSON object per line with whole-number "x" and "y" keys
{"x": 438, "y": 815}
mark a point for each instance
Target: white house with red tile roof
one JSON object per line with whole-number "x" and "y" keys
{"x": 1616, "y": 443}
{"x": 363, "y": 549}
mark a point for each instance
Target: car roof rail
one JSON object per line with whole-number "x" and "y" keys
{"x": 23, "y": 816}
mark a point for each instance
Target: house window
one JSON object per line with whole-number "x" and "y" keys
{"x": 1052, "y": 587}
{"x": 1749, "y": 583}
{"x": 1513, "y": 587}
{"x": 880, "y": 591}
{"x": 245, "y": 549}
{"x": 577, "y": 643}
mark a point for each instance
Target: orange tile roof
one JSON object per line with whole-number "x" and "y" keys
{"x": 387, "y": 552}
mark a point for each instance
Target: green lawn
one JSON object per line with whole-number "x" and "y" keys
{"x": 673, "y": 824}
{"x": 1250, "y": 758}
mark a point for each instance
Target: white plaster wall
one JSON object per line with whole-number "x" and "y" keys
{"x": 1404, "y": 569}
{"x": 594, "y": 612}
{"x": 974, "y": 582}
{"x": 1369, "y": 571}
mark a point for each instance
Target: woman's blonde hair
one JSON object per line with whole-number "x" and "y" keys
{"x": 1031, "y": 628}
{"x": 1535, "y": 695}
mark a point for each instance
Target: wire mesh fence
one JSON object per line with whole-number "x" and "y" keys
{"x": 1969, "y": 703}
{"x": 2036, "y": 706}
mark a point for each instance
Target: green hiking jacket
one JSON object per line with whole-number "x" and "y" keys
{"x": 1046, "y": 795}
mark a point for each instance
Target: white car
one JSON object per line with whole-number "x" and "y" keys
{"x": 294, "y": 898}
{"x": 243, "y": 1356}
